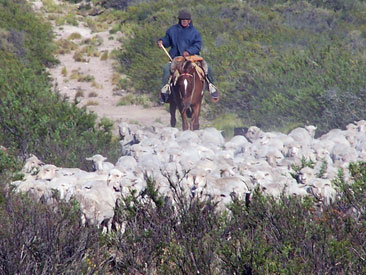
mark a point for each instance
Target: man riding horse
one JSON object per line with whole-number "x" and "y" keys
{"x": 184, "y": 40}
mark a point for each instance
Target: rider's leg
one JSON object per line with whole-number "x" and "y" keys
{"x": 211, "y": 87}
{"x": 165, "y": 90}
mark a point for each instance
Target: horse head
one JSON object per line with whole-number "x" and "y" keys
{"x": 185, "y": 83}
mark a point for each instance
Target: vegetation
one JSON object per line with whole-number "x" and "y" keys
{"x": 191, "y": 233}
{"x": 34, "y": 118}
{"x": 39, "y": 239}
{"x": 277, "y": 63}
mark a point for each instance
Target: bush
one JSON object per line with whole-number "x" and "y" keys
{"x": 46, "y": 125}
{"x": 31, "y": 37}
{"x": 36, "y": 238}
{"x": 166, "y": 237}
{"x": 288, "y": 235}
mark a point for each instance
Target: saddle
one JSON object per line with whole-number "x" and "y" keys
{"x": 198, "y": 62}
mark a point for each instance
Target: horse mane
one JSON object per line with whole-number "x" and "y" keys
{"x": 186, "y": 65}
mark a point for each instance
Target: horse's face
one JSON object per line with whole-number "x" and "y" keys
{"x": 186, "y": 87}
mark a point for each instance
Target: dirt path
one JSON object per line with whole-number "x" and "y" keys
{"x": 91, "y": 78}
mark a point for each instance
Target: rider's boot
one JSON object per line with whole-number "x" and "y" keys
{"x": 213, "y": 91}
{"x": 164, "y": 93}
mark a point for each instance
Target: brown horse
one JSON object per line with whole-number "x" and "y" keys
{"x": 188, "y": 84}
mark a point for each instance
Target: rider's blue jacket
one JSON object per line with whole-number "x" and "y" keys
{"x": 182, "y": 39}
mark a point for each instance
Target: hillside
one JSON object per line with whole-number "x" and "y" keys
{"x": 279, "y": 64}
{"x": 75, "y": 198}
{"x": 87, "y": 71}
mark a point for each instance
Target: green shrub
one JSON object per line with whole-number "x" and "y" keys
{"x": 9, "y": 166}
{"x": 30, "y": 36}
{"x": 45, "y": 125}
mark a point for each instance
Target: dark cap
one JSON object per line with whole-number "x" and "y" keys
{"x": 184, "y": 15}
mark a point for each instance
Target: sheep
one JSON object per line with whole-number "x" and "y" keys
{"x": 337, "y": 136}
{"x": 126, "y": 163}
{"x": 272, "y": 189}
{"x": 237, "y": 145}
{"x": 64, "y": 187}
{"x": 32, "y": 164}
{"x": 137, "y": 151}
{"x": 253, "y": 133}
{"x": 186, "y": 138}
{"x": 98, "y": 198}
{"x": 47, "y": 172}
{"x": 301, "y": 135}
{"x": 100, "y": 164}
{"x": 342, "y": 155}
{"x": 361, "y": 126}
{"x": 306, "y": 175}
{"x": 297, "y": 190}
{"x": 168, "y": 133}
{"x": 36, "y": 189}
{"x": 97, "y": 206}
{"x": 274, "y": 157}
{"x": 323, "y": 190}
{"x": 311, "y": 130}
{"x": 322, "y": 151}
{"x": 211, "y": 138}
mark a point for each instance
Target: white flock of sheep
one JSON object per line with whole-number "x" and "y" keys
{"x": 215, "y": 167}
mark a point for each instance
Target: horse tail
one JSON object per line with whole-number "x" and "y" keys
{"x": 189, "y": 112}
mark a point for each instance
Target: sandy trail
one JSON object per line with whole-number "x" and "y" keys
{"x": 99, "y": 95}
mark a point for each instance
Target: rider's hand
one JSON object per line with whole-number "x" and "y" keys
{"x": 186, "y": 53}
{"x": 160, "y": 43}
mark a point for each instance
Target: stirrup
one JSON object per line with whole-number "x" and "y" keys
{"x": 166, "y": 89}
{"x": 213, "y": 91}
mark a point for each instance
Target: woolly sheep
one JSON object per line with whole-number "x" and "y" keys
{"x": 100, "y": 164}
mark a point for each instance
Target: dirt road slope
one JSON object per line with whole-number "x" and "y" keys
{"x": 84, "y": 73}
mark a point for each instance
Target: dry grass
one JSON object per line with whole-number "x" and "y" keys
{"x": 104, "y": 56}
{"x": 96, "y": 85}
{"x": 116, "y": 78}
{"x": 79, "y": 93}
{"x": 74, "y": 36}
{"x": 64, "y": 71}
{"x": 91, "y": 103}
{"x": 65, "y": 46}
{"x": 79, "y": 57}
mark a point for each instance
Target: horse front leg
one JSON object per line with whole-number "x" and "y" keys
{"x": 195, "y": 124}
{"x": 184, "y": 118}
{"x": 172, "y": 109}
